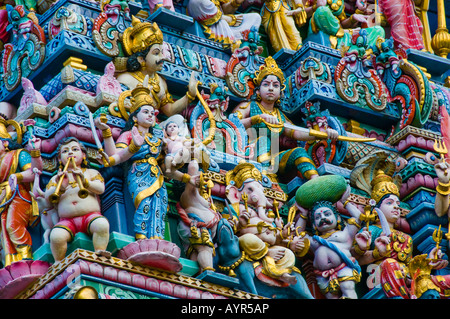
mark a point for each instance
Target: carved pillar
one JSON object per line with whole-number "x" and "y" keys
{"x": 112, "y": 200}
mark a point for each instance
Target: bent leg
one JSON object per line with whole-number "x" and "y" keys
{"x": 59, "y": 237}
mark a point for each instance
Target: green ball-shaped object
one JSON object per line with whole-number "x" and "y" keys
{"x": 323, "y": 188}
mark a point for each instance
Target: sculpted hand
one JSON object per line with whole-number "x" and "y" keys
{"x": 244, "y": 216}
{"x": 360, "y": 18}
{"x": 100, "y": 125}
{"x": 363, "y": 239}
{"x": 278, "y": 222}
{"x": 297, "y": 244}
{"x": 436, "y": 259}
{"x": 276, "y": 253}
{"x": 12, "y": 181}
{"x": 442, "y": 171}
{"x": 332, "y": 134}
{"x": 195, "y": 180}
{"x": 138, "y": 139}
{"x": 34, "y": 143}
{"x": 294, "y": 12}
{"x": 269, "y": 118}
{"x": 192, "y": 86}
{"x": 382, "y": 244}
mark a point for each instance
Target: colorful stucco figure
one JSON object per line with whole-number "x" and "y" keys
{"x": 238, "y": 149}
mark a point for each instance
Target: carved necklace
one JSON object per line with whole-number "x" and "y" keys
{"x": 276, "y": 113}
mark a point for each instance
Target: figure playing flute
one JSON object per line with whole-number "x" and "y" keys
{"x": 74, "y": 193}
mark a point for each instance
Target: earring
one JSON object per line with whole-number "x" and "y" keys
{"x": 85, "y": 162}
{"x": 143, "y": 65}
{"x": 258, "y": 97}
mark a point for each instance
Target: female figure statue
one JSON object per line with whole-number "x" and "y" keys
{"x": 141, "y": 150}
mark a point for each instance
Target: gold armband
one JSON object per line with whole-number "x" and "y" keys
{"x": 186, "y": 178}
{"x": 234, "y": 4}
{"x": 35, "y": 153}
{"x": 133, "y": 148}
{"x": 443, "y": 189}
{"x": 190, "y": 97}
{"x": 233, "y": 19}
{"x": 352, "y": 221}
{"x": 106, "y": 133}
{"x": 255, "y": 119}
{"x": 305, "y": 249}
{"x": 358, "y": 250}
{"x": 19, "y": 177}
{"x": 304, "y": 217}
{"x": 112, "y": 160}
{"x": 376, "y": 254}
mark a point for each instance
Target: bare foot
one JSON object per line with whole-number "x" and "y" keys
{"x": 287, "y": 278}
{"x": 103, "y": 253}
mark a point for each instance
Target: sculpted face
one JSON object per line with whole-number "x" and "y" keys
{"x": 270, "y": 89}
{"x": 72, "y": 149}
{"x": 146, "y": 117}
{"x": 390, "y": 206}
{"x": 255, "y": 192}
{"x": 324, "y": 219}
{"x": 155, "y": 59}
{"x": 172, "y": 129}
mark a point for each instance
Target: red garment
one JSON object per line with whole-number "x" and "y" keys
{"x": 16, "y": 215}
{"x": 78, "y": 224}
{"x": 406, "y": 27}
{"x": 4, "y": 35}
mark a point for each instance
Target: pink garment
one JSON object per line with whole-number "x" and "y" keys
{"x": 406, "y": 27}
{"x": 168, "y": 4}
{"x": 4, "y": 35}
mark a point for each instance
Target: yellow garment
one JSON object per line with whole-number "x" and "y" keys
{"x": 280, "y": 28}
{"x": 255, "y": 249}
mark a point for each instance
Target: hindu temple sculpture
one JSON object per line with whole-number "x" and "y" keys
{"x": 74, "y": 192}
{"x": 267, "y": 121}
{"x": 143, "y": 44}
{"x": 224, "y": 149}
{"x": 337, "y": 271}
{"x": 18, "y": 210}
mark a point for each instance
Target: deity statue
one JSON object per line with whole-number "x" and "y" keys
{"x": 280, "y": 19}
{"x": 329, "y": 17}
{"x": 140, "y": 150}
{"x": 143, "y": 44}
{"x": 392, "y": 249}
{"x": 199, "y": 218}
{"x": 219, "y": 21}
{"x": 18, "y": 210}
{"x": 268, "y": 125}
{"x": 337, "y": 271}
{"x": 263, "y": 236}
{"x": 74, "y": 193}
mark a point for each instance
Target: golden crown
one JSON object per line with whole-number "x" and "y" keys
{"x": 241, "y": 173}
{"x": 140, "y": 36}
{"x": 382, "y": 185}
{"x": 270, "y": 67}
{"x": 139, "y": 96}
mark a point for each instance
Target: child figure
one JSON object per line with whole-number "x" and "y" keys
{"x": 77, "y": 212}
{"x": 176, "y": 142}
